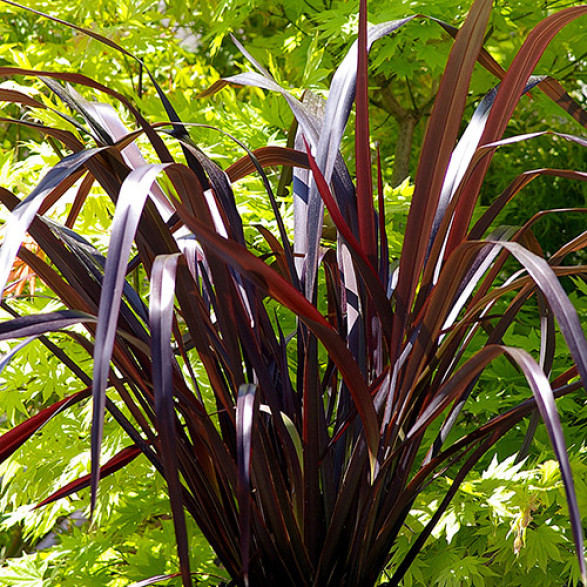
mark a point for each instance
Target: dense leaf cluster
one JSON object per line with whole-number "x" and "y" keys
{"x": 314, "y": 407}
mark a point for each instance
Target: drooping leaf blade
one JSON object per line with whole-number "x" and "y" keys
{"x": 133, "y": 195}
{"x": 162, "y": 296}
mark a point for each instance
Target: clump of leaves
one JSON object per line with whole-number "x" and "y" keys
{"x": 299, "y": 454}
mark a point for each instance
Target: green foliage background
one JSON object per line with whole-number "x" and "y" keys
{"x": 508, "y": 524}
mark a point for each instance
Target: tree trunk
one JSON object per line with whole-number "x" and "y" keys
{"x": 403, "y": 149}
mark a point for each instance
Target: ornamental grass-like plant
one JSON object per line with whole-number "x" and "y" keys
{"x": 299, "y": 453}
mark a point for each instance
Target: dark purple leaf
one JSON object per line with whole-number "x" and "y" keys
{"x": 375, "y": 289}
{"x": 338, "y": 108}
{"x": 439, "y": 142}
{"x": 131, "y": 200}
{"x": 509, "y": 93}
{"x": 125, "y": 456}
{"x": 564, "y": 311}
{"x": 545, "y": 401}
{"x": 267, "y": 156}
{"x": 161, "y": 305}
{"x": 13, "y": 439}
{"x": 37, "y": 324}
{"x": 245, "y": 421}
{"x": 263, "y": 276}
{"x": 365, "y": 213}
{"x": 24, "y": 213}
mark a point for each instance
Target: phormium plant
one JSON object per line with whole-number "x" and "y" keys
{"x": 299, "y": 454}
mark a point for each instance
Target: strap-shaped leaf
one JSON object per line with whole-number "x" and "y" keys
{"x": 440, "y": 139}
{"x": 37, "y": 324}
{"x": 117, "y": 462}
{"x": 365, "y": 212}
{"x": 16, "y": 97}
{"x": 464, "y": 151}
{"x": 106, "y": 126}
{"x": 325, "y": 140}
{"x": 509, "y": 94}
{"x": 133, "y": 195}
{"x": 24, "y": 213}
{"x": 375, "y": 289}
{"x": 545, "y": 400}
{"x": 13, "y": 439}
{"x": 263, "y": 276}
{"x": 246, "y": 409}
{"x": 338, "y": 108}
{"x": 162, "y": 296}
{"x": 267, "y": 156}
{"x": 564, "y": 311}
